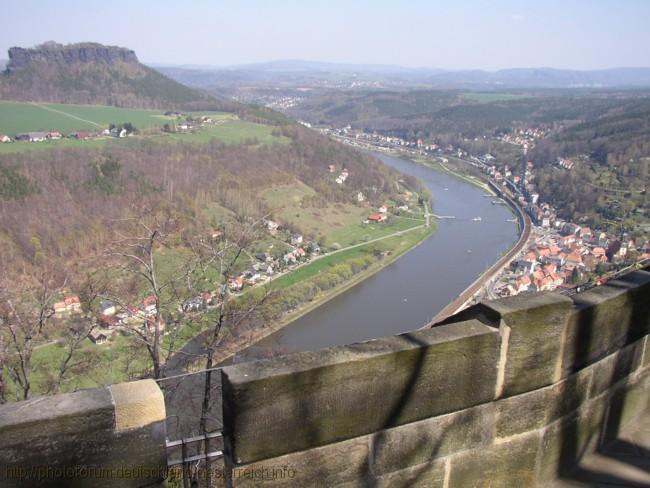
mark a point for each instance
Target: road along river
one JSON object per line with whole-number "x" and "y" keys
{"x": 408, "y": 293}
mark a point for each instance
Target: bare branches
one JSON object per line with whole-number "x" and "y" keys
{"x": 25, "y": 316}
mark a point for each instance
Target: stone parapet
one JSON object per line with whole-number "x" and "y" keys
{"x": 105, "y": 437}
{"x": 514, "y": 390}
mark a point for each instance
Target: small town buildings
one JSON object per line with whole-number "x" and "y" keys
{"x": 272, "y": 226}
{"x": 5, "y": 138}
{"x": 59, "y": 308}
{"x": 119, "y": 133}
{"x": 32, "y": 136}
{"x": 193, "y": 304}
{"x": 289, "y": 258}
{"x": 54, "y": 135}
{"x": 383, "y": 209}
{"x": 73, "y": 303}
{"x": 80, "y": 135}
{"x": 295, "y": 239}
{"x": 376, "y": 217}
{"x": 98, "y": 337}
{"x": 236, "y": 283}
{"x": 108, "y": 308}
{"x": 150, "y": 305}
{"x": 109, "y": 322}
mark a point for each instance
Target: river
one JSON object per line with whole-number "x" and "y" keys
{"x": 411, "y": 291}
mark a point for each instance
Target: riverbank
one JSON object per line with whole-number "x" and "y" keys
{"x": 231, "y": 349}
{"x": 476, "y": 287}
{"x": 465, "y": 297}
{"x": 409, "y": 293}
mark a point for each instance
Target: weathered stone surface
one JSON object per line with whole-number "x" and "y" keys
{"x": 628, "y": 400}
{"x": 646, "y": 352}
{"x": 310, "y": 399}
{"x": 613, "y": 368}
{"x": 66, "y": 416}
{"x": 71, "y": 440}
{"x": 507, "y": 464}
{"x": 536, "y": 325}
{"x": 73, "y": 53}
{"x": 567, "y": 395}
{"x": 137, "y": 404}
{"x": 419, "y": 442}
{"x": 567, "y": 440}
{"x": 522, "y": 413}
{"x": 428, "y": 475}
{"x": 605, "y": 319}
{"x": 339, "y": 464}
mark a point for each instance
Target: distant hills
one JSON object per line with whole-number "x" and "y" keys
{"x": 91, "y": 73}
{"x": 297, "y": 72}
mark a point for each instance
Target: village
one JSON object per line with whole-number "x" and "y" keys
{"x": 560, "y": 255}
{"x": 295, "y": 251}
{"x": 179, "y": 123}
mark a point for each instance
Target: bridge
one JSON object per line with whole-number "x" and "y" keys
{"x": 533, "y": 390}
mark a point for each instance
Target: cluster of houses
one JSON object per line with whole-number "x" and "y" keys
{"x": 112, "y": 318}
{"x": 341, "y": 178}
{"x": 41, "y": 136}
{"x": 555, "y": 260}
{"x": 381, "y": 140}
{"x": 267, "y": 265}
{"x": 565, "y": 163}
{"x": 379, "y": 216}
{"x": 186, "y": 123}
{"x": 69, "y": 305}
{"x": 562, "y": 252}
{"x": 524, "y": 137}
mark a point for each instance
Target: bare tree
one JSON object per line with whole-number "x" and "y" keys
{"x": 138, "y": 260}
{"x": 226, "y": 255}
{"x": 25, "y": 315}
{"x": 3, "y": 363}
{"x": 72, "y": 362}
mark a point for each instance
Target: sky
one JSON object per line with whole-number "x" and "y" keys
{"x": 448, "y": 34}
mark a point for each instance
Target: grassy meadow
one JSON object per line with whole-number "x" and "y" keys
{"x": 18, "y": 117}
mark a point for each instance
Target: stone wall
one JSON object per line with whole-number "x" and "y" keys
{"x": 515, "y": 391}
{"x": 507, "y": 393}
{"x": 113, "y": 437}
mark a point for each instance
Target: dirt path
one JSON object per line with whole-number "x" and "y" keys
{"x": 44, "y": 107}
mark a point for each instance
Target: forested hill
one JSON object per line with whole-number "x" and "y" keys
{"x": 90, "y": 73}
{"x": 61, "y": 206}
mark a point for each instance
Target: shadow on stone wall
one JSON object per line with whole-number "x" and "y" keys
{"x": 573, "y": 447}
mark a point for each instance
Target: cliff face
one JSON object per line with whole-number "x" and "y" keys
{"x": 53, "y": 53}
{"x": 94, "y": 74}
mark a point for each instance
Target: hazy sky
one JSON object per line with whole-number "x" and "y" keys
{"x": 453, "y": 34}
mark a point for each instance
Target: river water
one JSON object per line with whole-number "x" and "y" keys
{"x": 411, "y": 291}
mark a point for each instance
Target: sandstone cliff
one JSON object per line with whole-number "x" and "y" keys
{"x": 91, "y": 73}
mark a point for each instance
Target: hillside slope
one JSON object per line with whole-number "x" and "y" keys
{"x": 90, "y": 73}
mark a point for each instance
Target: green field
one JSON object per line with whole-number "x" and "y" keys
{"x": 25, "y": 117}
{"x": 18, "y": 117}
